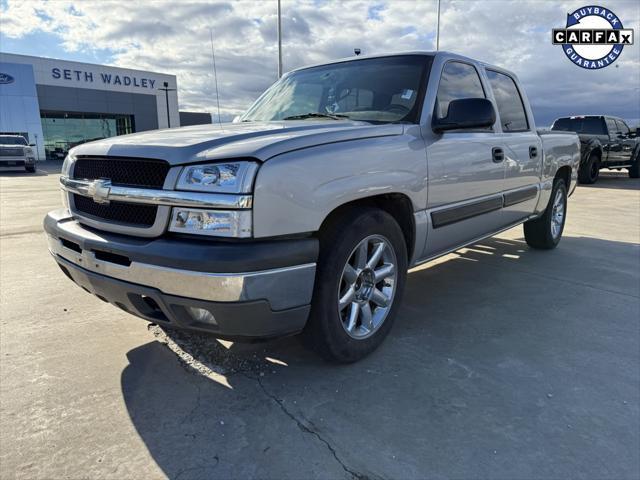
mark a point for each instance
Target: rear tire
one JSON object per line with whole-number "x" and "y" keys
{"x": 634, "y": 170}
{"x": 589, "y": 172}
{"x": 545, "y": 232}
{"x": 31, "y": 169}
{"x": 357, "y": 292}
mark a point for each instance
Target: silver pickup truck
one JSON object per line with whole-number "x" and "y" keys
{"x": 305, "y": 214}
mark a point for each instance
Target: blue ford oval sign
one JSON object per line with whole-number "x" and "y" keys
{"x": 5, "y": 78}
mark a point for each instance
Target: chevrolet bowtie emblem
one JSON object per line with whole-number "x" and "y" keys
{"x": 98, "y": 190}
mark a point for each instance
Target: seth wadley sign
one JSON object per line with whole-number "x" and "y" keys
{"x": 105, "y": 78}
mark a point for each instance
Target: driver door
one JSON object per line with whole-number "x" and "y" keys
{"x": 466, "y": 170}
{"x": 627, "y": 142}
{"x": 615, "y": 143}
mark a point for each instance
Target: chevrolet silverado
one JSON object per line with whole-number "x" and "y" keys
{"x": 305, "y": 214}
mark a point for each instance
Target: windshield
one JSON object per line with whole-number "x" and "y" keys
{"x": 12, "y": 141}
{"x": 591, "y": 125}
{"x": 378, "y": 90}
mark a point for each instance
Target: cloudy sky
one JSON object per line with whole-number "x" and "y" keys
{"x": 174, "y": 37}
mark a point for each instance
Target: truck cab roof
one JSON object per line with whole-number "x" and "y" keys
{"x": 440, "y": 54}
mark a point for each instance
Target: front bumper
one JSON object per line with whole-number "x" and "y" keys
{"x": 250, "y": 289}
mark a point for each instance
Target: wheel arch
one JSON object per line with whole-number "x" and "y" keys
{"x": 398, "y": 205}
{"x": 564, "y": 173}
{"x": 594, "y": 146}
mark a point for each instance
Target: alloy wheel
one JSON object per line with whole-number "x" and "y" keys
{"x": 557, "y": 214}
{"x": 367, "y": 286}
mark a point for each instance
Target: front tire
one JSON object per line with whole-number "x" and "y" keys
{"x": 545, "y": 232}
{"x": 30, "y": 169}
{"x": 590, "y": 171}
{"x": 360, "y": 279}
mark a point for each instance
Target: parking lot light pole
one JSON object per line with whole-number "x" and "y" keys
{"x": 37, "y": 148}
{"x": 166, "y": 91}
{"x": 438, "y": 28}
{"x": 279, "y": 40}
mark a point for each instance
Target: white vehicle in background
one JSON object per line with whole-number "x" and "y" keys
{"x": 16, "y": 152}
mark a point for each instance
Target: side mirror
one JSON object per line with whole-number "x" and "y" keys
{"x": 32, "y": 144}
{"x": 466, "y": 113}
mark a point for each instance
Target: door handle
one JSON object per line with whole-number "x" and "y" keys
{"x": 497, "y": 154}
{"x": 533, "y": 151}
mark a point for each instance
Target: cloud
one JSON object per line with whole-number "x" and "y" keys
{"x": 174, "y": 37}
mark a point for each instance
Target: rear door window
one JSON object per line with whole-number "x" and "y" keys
{"x": 513, "y": 116}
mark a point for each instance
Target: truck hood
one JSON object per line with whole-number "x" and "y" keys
{"x": 259, "y": 140}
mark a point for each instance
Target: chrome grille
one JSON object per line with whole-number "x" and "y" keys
{"x": 145, "y": 173}
{"x": 125, "y": 172}
{"x": 131, "y": 214}
{"x": 11, "y": 152}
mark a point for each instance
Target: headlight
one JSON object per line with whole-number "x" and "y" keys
{"x": 219, "y": 223}
{"x": 66, "y": 166}
{"x": 234, "y": 177}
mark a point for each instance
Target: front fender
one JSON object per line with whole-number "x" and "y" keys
{"x": 296, "y": 191}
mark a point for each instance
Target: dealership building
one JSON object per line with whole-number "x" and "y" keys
{"x": 58, "y": 104}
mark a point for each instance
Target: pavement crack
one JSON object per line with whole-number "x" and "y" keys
{"x": 310, "y": 430}
{"x": 197, "y": 402}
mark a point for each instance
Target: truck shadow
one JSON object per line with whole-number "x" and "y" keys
{"x": 615, "y": 179}
{"x": 484, "y": 340}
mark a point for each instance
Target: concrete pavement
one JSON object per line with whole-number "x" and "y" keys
{"x": 504, "y": 363}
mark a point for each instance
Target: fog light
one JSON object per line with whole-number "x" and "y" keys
{"x": 221, "y": 223}
{"x": 202, "y": 316}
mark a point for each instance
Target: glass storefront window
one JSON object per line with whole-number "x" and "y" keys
{"x": 64, "y": 130}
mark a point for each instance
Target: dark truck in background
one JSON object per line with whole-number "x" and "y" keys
{"x": 605, "y": 142}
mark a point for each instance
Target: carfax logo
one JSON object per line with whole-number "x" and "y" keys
{"x": 593, "y": 37}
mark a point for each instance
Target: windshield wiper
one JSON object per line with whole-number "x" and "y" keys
{"x": 333, "y": 116}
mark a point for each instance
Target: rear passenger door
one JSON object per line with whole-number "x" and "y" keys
{"x": 522, "y": 148}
